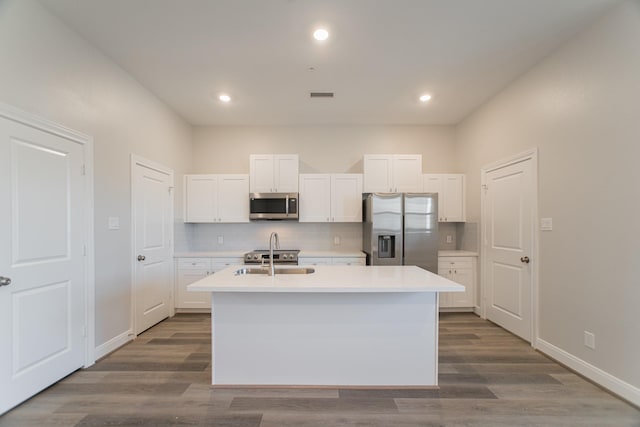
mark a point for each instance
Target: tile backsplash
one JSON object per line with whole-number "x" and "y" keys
{"x": 295, "y": 235}
{"x": 255, "y": 235}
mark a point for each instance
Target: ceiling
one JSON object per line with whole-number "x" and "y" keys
{"x": 380, "y": 56}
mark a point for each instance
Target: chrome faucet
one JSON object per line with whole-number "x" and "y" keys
{"x": 272, "y": 270}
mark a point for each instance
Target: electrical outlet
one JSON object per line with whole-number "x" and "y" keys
{"x": 113, "y": 223}
{"x": 449, "y": 238}
{"x": 336, "y": 240}
{"x": 590, "y": 340}
{"x": 221, "y": 240}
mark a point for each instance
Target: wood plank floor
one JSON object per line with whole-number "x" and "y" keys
{"x": 488, "y": 377}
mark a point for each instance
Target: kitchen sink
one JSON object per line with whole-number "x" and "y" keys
{"x": 263, "y": 270}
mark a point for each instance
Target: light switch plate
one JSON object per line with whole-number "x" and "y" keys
{"x": 336, "y": 240}
{"x": 113, "y": 223}
{"x": 546, "y": 224}
{"x": 221, "y": 240}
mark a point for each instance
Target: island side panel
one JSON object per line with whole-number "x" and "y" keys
{"x": 359, "y": 339}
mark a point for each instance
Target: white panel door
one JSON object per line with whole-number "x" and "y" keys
{"x": 315, "y": 198}
{"x": 508, "y": 242}
{"x": 233, "y": 198}
{"x": 153, "y": 228}
{"x": 346, "y": 197}
{"x": 42, "y": 310}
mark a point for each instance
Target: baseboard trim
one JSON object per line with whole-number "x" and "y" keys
{"x": 597, "y": 375}
{"x": 113, "y": 344}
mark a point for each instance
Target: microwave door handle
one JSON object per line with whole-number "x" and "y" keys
{"x": 287, "y": 205}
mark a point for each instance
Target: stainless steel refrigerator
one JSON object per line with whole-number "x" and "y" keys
{"x": 401, "y": 229}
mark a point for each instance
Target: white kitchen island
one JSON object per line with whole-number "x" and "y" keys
{"x": 338, "y": 326}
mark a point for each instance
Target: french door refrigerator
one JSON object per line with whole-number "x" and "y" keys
{"x": 401, "y": 229}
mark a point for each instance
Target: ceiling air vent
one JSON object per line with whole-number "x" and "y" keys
{"x": 321, "y": 94}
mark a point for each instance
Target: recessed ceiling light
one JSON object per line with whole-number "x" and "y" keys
{"x": 425, "y": 97}
{"x": 321, "y": 34}
{"x": 224, "y": 97}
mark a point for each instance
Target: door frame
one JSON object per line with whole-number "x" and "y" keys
{"x": 531, "y": 155}
{"x": 28, "y": 119}
{"x": 139, "y": 160}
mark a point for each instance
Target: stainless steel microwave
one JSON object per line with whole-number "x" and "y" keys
{"x": 273, "y": 206}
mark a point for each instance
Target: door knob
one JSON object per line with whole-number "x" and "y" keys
{"x": 141, "y": 257}
{"x": 525, "y": 259}
{"x": 5, "y": 281}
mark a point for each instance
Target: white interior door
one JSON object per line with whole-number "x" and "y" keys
{"x": 42, "y": 253}
{"x": 509, "y": 193}
{"x": 153, "y": 227}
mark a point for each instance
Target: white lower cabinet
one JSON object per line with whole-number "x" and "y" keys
{"x": 461, "y": 270}
{"x": 334, "y": 260}
{"x": 188, "y": 270}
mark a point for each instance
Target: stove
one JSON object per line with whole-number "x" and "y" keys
{"x": 280, "y": 256}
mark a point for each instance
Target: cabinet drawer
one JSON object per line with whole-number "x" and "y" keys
{"x": 218, "y": 264}
{"x": 349, "y": 261}
{"x": 314, "y": 261}
{"x": 193, "y": 263}
{"x": 456, "y": 262}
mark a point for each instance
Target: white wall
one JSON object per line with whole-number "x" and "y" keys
{"x": 50, "y": 71}
{"x": 322, "y": 149}
{"x": 581, "y": 108}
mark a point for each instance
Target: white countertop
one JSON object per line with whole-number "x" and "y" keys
{"x": 240, "y": 254}
{"x": 211, "y": 254}
{"x": 457, "y": 253}
{"x": 330, "y": 279}
{"x": 330, "y": 254}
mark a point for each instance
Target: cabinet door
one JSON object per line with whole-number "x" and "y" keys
{"x": 407, "y": 173}
{"x": 188, "y": 270}
{"x": 285, "y": 173}
{"x": 200, "y": 198}
{"x": 378, "y": 173}
{"x": 346, "y": 198}
{"x": 315, "y": 198}
{"x": 233, "y": 198}
{"x": 453, "y": 204}
{"x": 261, "y": 170}
{"x": 463, "y": 276}
{"x": 432, "y": 183}
{"x": 445, "y": 297}
{"x": 451, "y": 194}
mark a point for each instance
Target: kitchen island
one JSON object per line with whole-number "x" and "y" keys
{"x": 338, "y": 326}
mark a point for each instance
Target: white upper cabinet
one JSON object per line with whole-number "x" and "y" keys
{"x": 330, "y": 198}
{"x": 233, "y": 198}
{"x": 390, "y": 173}
{"x": 346, "y": 197}
{"x": 273, "y": 173}
{"x": 315, "y": 198}
{"x": 200, "y": 198}
{"x": 216, "y": 198}
{"x": 451, "y": 195}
